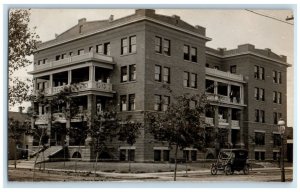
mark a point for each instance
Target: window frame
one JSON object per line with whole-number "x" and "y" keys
{"x": 131, "y": 102}
{"x": 194, "y": 57}
{"x": 132, "y": 73}
{"x": 123, "y": 102}
{"x": 157, "y": 74}
{"x": 124, "y": 46}
{"x": 132, "y": 44}
{"x": 124, "y": 74}
{"x": 158, "y": 44}
{"x": 166, "y": 76}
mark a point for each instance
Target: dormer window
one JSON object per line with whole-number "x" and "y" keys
{"x": 80, "y": 28}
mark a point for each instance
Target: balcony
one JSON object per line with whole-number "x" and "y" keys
{"x": 223, "y": 122}
{"x": 224, "y": 75}
{"x": 73, "y": 60}
{"x": 224, "y": 99}
{"x": 82, "y": 86}
{"x": 209, "y": 121}
{"x": 60, "y": 118}
{"x": 235, "y": 124}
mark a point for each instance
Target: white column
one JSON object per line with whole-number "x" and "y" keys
{"x": 242, "y": 94}
{"x": 69, "y": 77}
{"x": 215, "y": 87}
{"x": 92, "y": 73}
{"x": 35, "y": 83}
{"x": 51, "y": 84}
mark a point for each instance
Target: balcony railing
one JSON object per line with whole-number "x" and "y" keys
{"x": 61, "y": 117}
{"x": 235, "y": 123}
{"x": 223, "y": 99}
{"x": 82, "y": 86}
{"x": 209, "y": 121}
{"x": 75, "y": 59}
{"x": 223, "y": 74}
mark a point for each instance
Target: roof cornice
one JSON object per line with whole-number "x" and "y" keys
{"x": 142, "y": 18}
{"x": 248, "y": 53}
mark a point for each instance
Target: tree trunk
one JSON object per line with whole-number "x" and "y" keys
{"x": 15, "y": 153}
{"x": 175, "y": 170}
{"x": 37, "y": 155}
{"x": 186, "y": 164}
{"x": 95, "y": 168}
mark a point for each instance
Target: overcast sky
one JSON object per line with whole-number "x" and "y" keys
{"x": 227, "y": 28}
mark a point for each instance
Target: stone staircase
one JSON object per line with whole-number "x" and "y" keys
{"x": 48, "y": 152}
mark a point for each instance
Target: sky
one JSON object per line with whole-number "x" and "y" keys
{"x": 227, "y": 28}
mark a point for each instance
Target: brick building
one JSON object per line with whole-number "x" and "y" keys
{"x": 130, "y": 60}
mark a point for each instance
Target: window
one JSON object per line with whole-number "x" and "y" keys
{"x": 131, "y": 106}
{"x": 261, "y": 73}
{"x": 157, "y": 75}
{"x": 193, "y": 80}
{"x": 276, "y": 140}
{"x": 276, "y": 155}
{"x": 194, "y": 155}
{"x": 166, "y": 102}
{"x": 157, "y": 155}
{"x": 123, "y": 155}
{"x": 124, "y": 46}
{"x": 167, "y": 47}
{"x": 275, "y": 118}
{"x": 279, "y": 97}
{"x": 259, "y": 138}
{"x": 124, "y": 74}
{"x": 45, "y": 61}
{"x": 90, "y": 49}
{"x": 63, "y": 56}
{"x": 194, "y": 54}
{"x": 106, "y": 49}
{"x": 256, "y": 93}
{"x": 132, "y": 72}
{"x": 71, "y": 54}
{"x": 131, "y": 154}
{"x": 209, "y": 86}
{"x": 123, "y": 99}
{"x": 57, "y": 57}
{"x": 193, "y": 104}
{"x": 233, "y": 69}
{"x": 274, "y": 76}
{"x": 216, "y": 67}
{"x": 274, "y": 97}
{"x": 262, "y": 116}
{"x": 186, "y": 79}
{"x": 132, "y": 46}
{"x": 256, "y": 115}
{"x": 256, "y": 72}
{"x": 99, "y": 49}
{"x": 157, "y": 102}
{"x": 186, "y": 52}
{"x": 40, "y": 62}
{"x": 279, "y": 78}
{"x": 80, "y": 51}
{"x": 158, "y": 45}
{"x": 166, "y": 155}
{"x": 166, "y": 75}
{"x": 80, "y": 28}
{"x": 262, "y": 94}
{"x": 222, "y": 89}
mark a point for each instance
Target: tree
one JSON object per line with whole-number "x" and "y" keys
{"x": 21, "y": 44}
{"x": 103, "y": 129}
{"x": 129, "y": 132}
{"x": 182, "y": 124}
{"x": 16, "y": 130}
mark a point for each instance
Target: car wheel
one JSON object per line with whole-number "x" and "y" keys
{"x": 214, "y": 170}
{"x": 228, "y": 170}
{"x": 246, "y": 170}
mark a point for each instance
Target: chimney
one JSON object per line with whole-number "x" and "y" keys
{"x": 111, "y": 18}
{"x": 176, "y": 17}
{"x": 246, "y": 47}
{"x": 81, "y": 21}
{"x": 145, "y": 12}
{"x": 20, "y": 109}
{"x": 283, "y": 57}
{"x": 201, "y": 29}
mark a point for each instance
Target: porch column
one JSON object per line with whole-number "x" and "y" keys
{"x": 216, "y": 127}
{"x": 68, "y": 123}
{"x": 242, "y": 129}
{"x": 51, "y": 83}
{"x": 215, "y": 87}
{"x": 69, "y": 77}
{"x": 242, "y": 94}
{"x": 35, "y": 83}
{"x": 229, "y": 117}
{"x": 91, "y": 106}
{"x": 49, "y": 114}
{"x": 91, "y": 73}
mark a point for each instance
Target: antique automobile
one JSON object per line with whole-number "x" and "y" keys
{"x": 230, "y": 160}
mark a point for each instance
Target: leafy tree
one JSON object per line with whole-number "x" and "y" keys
{"x": 182, "y": 124}
{"x": 16, "y": 130}
{"x": 103, "y": 129}
{"x": 129, "y": 132}
{"x": 22, "y": 41}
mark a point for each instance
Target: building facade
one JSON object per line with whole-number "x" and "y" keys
{"x": 131, "y": 59}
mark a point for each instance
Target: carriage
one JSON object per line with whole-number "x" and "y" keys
{"x": 230, "y": 160}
